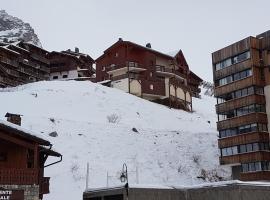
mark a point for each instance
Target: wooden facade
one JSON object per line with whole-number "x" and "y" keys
{"x": 22, "y": 63}
{"x": 71, "y": 65}
{"x": 149, "y": 74}
{"x": 232, "y": 81}
{"x": 23, "y": 157}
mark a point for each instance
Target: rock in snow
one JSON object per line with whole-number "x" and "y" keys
{"x": 14, "y": 29}
{"x": 174, "y": 147}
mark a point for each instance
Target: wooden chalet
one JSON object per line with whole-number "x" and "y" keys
{"x": 21, "y": 63}
{"x": 23, "y": 157}
{"x": 150, "y": 74}
{"x": 71, "y": 65}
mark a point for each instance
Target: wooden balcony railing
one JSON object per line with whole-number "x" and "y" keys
{"x": 243, "y": 139}
{"x": 242, "y": 120}
{"x": 245, "y": 157}
{"x": 18, "y": 176}
{"x": 240, "y": 102}
{"x": 255, "y": 176}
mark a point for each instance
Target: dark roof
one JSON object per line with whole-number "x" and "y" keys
{"x": 11, "y": 114}
{"x": 18, "y": 131}
{"x": 121, "y": 42}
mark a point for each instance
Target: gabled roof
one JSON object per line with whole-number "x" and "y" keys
{"x": 122, "y": 42}
{"x": 18, "y": 131}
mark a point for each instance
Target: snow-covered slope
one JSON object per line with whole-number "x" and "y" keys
{"x": 94, "y": 124}
{"x": 14, "y": 29}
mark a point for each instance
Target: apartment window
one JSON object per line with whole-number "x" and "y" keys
{"x": 241, "y": 111}
{"x": 233, "y": 60}
{"x": 244, "y": 148}
{"x": 255, "y": 166}
{"x": 151, "y": 87}
{"x": 65, "y": 76}
{"x": 55, "y": 77}
{"x": 234, "y": 77}
{"x": 241, "y": 57}
{"x": 243, "y": 129}
{"x": 3, "y": 156}
{"x": 240, "y": 93}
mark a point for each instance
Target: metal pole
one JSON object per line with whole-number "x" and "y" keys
{"x": 137, "y": 175}
{"x": 87, "y": 176}
{"x": 107, "y": 179}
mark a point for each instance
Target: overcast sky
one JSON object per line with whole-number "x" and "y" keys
{"x": 198, "y": 27}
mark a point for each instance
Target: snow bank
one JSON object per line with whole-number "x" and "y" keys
{"x": 94, "y": 124}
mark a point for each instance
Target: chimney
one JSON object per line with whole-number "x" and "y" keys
{"x": 148, "y": 45}
{"x": 14, "y": 118}
{"x": 77, "y": 50}
{"x": 120, "y": 40}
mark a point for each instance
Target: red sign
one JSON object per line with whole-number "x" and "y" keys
{"x": 11, "y": 194}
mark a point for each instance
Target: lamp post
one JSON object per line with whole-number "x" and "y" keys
{"x": 124, "y": 177}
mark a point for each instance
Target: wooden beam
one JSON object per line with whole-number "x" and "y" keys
{"x": 20, "y": 142}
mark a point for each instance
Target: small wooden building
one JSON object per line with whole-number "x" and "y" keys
{"x": 22, "y": 161}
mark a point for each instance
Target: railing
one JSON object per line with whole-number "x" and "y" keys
{"x": 9, "y": 62}
{"x": 18, "y": 176}
{"x": 255, "y": 176}
{"x": 169, "y": 70}
{"x": 122, "y": 65}
{"x": 245, "y": 157}
{"x": 44, "y": 185}
{"x": 123, "y": 76}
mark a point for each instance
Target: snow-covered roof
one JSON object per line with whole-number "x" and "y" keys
{"x": 204, "y": 185}
{"x": 19, "y": 131}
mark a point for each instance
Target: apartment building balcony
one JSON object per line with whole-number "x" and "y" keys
{"x": 242, "y": 120}
{"x": 247, "y": 64}
{"x": 245, "y": 157}
{"x": 8, "y": 82}
{"x": 40, "y": 58}
{"x": 9, "y": 62}
{"x": 245, "y": 138}
{"x": 123, "y": 68}
{"x": 240, "y": 102}
{"x": 255, "y": 176}
{"x": 169, "y": 72}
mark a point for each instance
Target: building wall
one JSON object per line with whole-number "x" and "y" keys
{"x": 267, "y": 99}
{"x": 121, "y": 84}
{"x": 16, "y": 155}
{"x": 73, "y": 74}
{"x": 135, "y": 87}
{"x": 31, "y": 192}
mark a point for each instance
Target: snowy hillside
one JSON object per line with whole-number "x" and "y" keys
{"x": 13, "y": 28}
{"x": 94, "y": 124}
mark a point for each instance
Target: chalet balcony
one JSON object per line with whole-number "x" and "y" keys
{"x": 18, "y": 176}
{"x": 9, "y": 62}
{"x": 169, "y": 72}
{"x": 135, "y": 67}
{"x": 245, "y": 157}
{"x": 241, "y": 120}
{"x": 130, "y": 75}
{"x": 245, "y": 138}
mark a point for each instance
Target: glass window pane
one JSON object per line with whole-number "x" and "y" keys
{"x": 249, "y": 147}
{"x": 255, "y": 147}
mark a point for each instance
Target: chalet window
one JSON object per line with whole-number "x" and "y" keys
{"x": 3, "y": 157}
{"x": 132, "y": 64}
{"x": 55, "y": 77}
{"x": 103, "y": 68}
{"x": 116, "y": 55}
{"x": 151, "y": 87}
{"x": 65, "y": 76}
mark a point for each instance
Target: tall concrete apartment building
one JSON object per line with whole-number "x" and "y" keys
{"x": 241, "y": 74}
